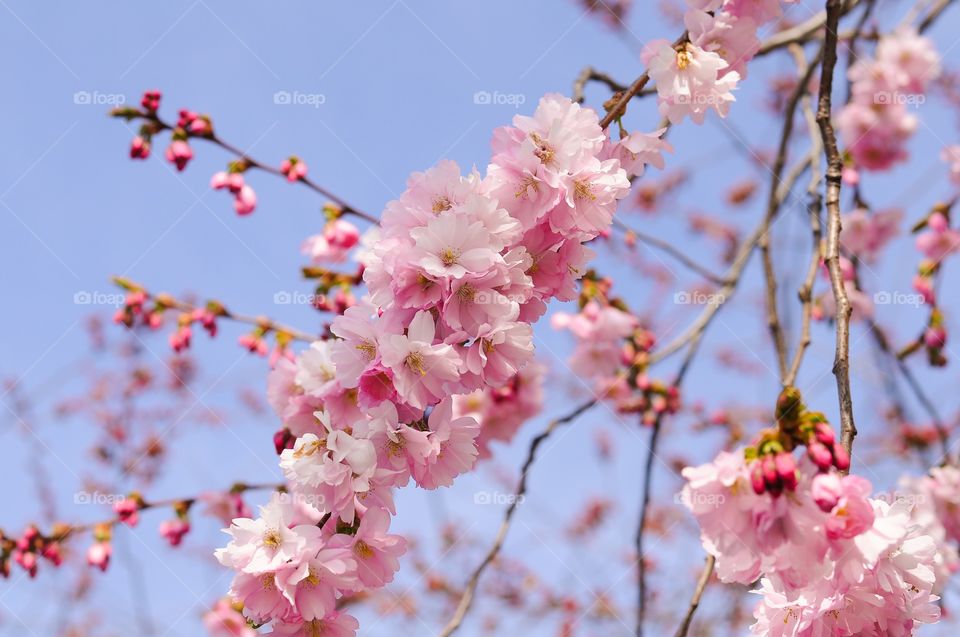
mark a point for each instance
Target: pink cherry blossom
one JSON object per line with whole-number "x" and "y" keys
{"x": 332, "y": 245}
{"x": 420, "y": 367}
{"x": 690, "y": 81}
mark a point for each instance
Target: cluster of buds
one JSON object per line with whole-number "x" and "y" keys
{"x": 334, "y": 242}
{"x": 189, "y": 125}
{"x": 293, "y": 168}
{"x": 139, "y": 308}
{"x": 180, "y": 338}
{"x": 174, "y": 530}
{"x": 652, "y": 400}
{"x": 150, "y": 101}
{"x": 27, "y": 550}
{"x": 333, "y": 291}
{"x": 195, "y": 124}
{"x": 773, "y": 468}
{"x": 231, "y": 180}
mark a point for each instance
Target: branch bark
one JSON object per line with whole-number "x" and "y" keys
{"x": 841, "y": 362}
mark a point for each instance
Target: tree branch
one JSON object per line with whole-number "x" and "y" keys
{"x": 841, "y": 363}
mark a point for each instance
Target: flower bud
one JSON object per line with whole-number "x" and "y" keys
{"x": 820, "y": 455}
{"x": 824, "y": 434}
{"x": 756, "y": 478}
{"x": 786, "y": 469}
{"x": 841, "y": 458}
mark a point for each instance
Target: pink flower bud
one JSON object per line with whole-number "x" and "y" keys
{"x": 786, "y": 470}
{"x": 246, "y": 201}
{"x": 52, "y": 553}
{"x": 150, "y": 100}
{"x": 294, "y": 169}
{"x": 98, "y": 555}
{"x": 825, "y": 491}
{"x": 820, "y": 455}
{"x": 935, "y": 337}
{"x": 127, "y": 511}
{"x": 179, "y": 153}
{"x": 27, "y": 560}
{"x": 174, "y": 530}
{"x": 823, "y": 432}
{"x": 283, "y": 439}
{"x": 850, "y": 175}
{"x": 841, "y": 458}
{"x": 770, "y": 475}
{"x": 139, "y": 148}
{"x": 219, "y": 180}
{"x": 938, "y": 222}
{"x": 756, "y": 478}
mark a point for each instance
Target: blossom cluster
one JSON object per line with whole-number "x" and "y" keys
{"x": 831, "y": 558}
{"x": 612, "y": 350}
{"x": 700, "y": 72}
{"x": 876, "y": 124}
{"x": 456, "y": 273}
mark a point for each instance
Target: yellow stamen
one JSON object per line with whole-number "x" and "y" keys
{"x": 466, "y": 293}
{"x": 544, "y": 152}
{"x": 415, "y": 362}
{"x": 367, "y": 349}
{"x": 449, "y": 256}
{"x": 441, "y": 204}
{"x": 363, "y": 550}
{"x": 272, "y": 538}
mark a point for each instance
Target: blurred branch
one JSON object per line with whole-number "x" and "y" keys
{"x": 466, "y": 599}
{"x": 268, "y": 325}
{"x": 672, "y": 251}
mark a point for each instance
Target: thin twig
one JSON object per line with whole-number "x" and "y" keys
{"x": 466, "y": 599}
{"x": 648, "y": 482}
{"x": 250, "y": 162}
{"x": 697, "y": 594}
{"x": 672, "y": 251}
{"x": 816, "y": 253}
{"x": 618, "y": 109}
{"x": 883, "y": 343}
{"x": 774, "y": 202}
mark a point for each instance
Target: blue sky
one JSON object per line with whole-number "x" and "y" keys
{"x": 377, "y": 90}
